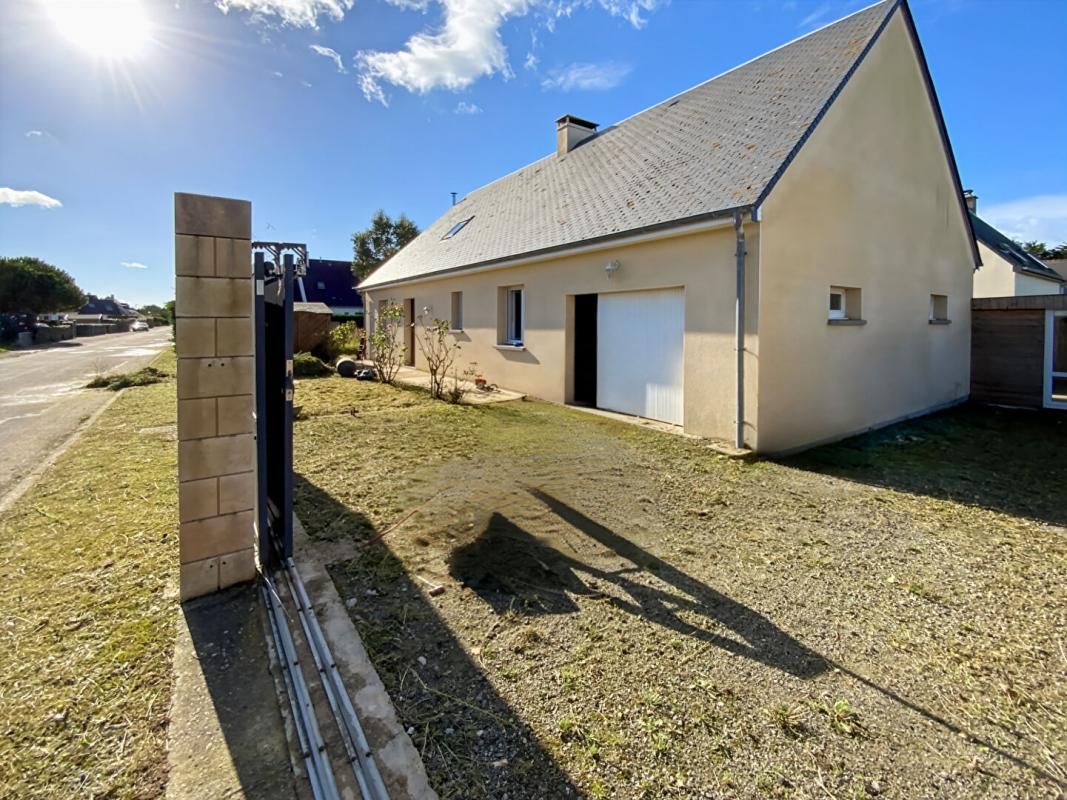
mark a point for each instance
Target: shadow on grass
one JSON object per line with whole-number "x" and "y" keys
{"x": 1004, "y": 460}
{"x": 506, "y": 562}
{"x": 474, "y": 745}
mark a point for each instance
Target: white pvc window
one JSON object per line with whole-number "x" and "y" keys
{"x": 844, "y": 306}
{"x": 514, "y": 315}
{"x": 1055, "y": 359}
{"x": 456, "y": 319}
{"x": 939, "y": 308}
{"x": 837, "y": 303}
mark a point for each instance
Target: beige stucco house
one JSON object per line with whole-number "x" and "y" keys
{"x": 1007, "y": 270}
{"x": 777, "y": 257}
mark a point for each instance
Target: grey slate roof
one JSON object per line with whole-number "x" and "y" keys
{"x": 1020, "y": 260}
{"x": 713, "y": 148}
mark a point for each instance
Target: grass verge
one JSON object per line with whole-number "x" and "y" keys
{"x": 88, "y": 590}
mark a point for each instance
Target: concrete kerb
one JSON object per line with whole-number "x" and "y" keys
{"x": 395, "y": 754}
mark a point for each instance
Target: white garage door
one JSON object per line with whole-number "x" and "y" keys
{"x": 639, "y": 353}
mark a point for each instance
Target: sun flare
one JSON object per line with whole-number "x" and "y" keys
{"x": 111, "y": 29}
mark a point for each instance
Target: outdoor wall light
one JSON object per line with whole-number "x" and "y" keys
{"x": 612, "y": 267}
{"x": 426, "y": 310}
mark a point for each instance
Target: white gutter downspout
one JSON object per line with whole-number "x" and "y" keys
{"x": 739, "y": 329}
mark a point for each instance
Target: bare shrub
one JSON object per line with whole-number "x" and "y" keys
{"x": 440, "y": 351}
{"x": 387, "y": 345}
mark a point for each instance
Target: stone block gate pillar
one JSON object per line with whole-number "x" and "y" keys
{"x": 216, "y": 383}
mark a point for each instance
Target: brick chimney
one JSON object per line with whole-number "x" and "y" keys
{"x": 572, "y": 131}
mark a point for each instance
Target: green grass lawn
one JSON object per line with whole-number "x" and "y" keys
{"x": 628, "y": 614}
{"x": 88, "y": 594}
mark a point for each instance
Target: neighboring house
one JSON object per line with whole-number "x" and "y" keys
{"x": 607, "y": 273}
{"x": 332, "y": 283}
{"x": 97, "y": 308}
{"x": 1007, "y": 270}
{"x": 1060, "y": 266}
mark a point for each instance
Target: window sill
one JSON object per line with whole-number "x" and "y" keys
{"x": 846, "y": 322}
{"x": 509, "y": 346}
{"x": 940, "y": 322}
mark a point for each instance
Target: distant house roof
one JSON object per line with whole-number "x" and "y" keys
{"x": 1058, "y": 264}
{"x": 1000, "y": 244}
{"x": 704, "y": 153}
{"x": 104, "y": 306}
{"x": 312, "y": 308}
{"x": 330, "y": 282}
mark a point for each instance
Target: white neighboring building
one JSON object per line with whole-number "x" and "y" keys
{"x": 1007, "y": 270}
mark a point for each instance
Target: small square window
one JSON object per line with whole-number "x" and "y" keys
{"x": 939, "y": 308}
{"x": 456, "y": 321}
{"x": 844, "y": 306}
{"x": 320, "y": 285}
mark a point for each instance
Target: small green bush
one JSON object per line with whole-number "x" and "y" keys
{"x": 306, "y": 365}
{"x": 344, "y": 340}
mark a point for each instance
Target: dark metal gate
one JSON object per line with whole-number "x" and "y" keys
{"x": 274, "y": 397}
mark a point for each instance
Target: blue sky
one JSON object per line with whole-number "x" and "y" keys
{"x": 321, "y": 111}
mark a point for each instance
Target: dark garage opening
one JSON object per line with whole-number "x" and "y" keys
{"x": 585, "y": 349}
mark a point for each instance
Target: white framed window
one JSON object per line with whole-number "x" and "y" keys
{"x": 939, "y": 308}
{"x": 844, "y": 306}
{"x": 514, "y": 316}
{"x": 837, "y": 303}
{"x": 456, "y": 320}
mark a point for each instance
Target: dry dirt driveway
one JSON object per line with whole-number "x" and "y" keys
{"x": 627, "y": 614}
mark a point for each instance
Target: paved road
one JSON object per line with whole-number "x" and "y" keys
{"x": 42, "y": 394}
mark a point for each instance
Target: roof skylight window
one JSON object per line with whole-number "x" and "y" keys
{"x": 457, "y": 228}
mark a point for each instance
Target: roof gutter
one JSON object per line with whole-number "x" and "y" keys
{"x": 648, "y": 233}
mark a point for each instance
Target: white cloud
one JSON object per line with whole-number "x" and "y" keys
{"x": 1042, "y": 218}
{"x": 331, "y": 54}
{"x": 133, "y": 265}
{"x": 468, "y": 47}
{"x": 305, "y": 84}
{"x": 297, "y": 13}
{"x": 586, "y": 77}
{"x": 372, "y": 90}
{"x": 631, "y": 9}
{"x": 815, "y": 16}
{"x": 23, "y": 197}
{"x": 277, "y": 74}
{"x": 463, "y": 107}
{"x": 34, "y": 134}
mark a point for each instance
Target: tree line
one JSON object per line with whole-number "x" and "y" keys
{"x": 31, "y": 286}
{"x": 1043, "y": 251}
